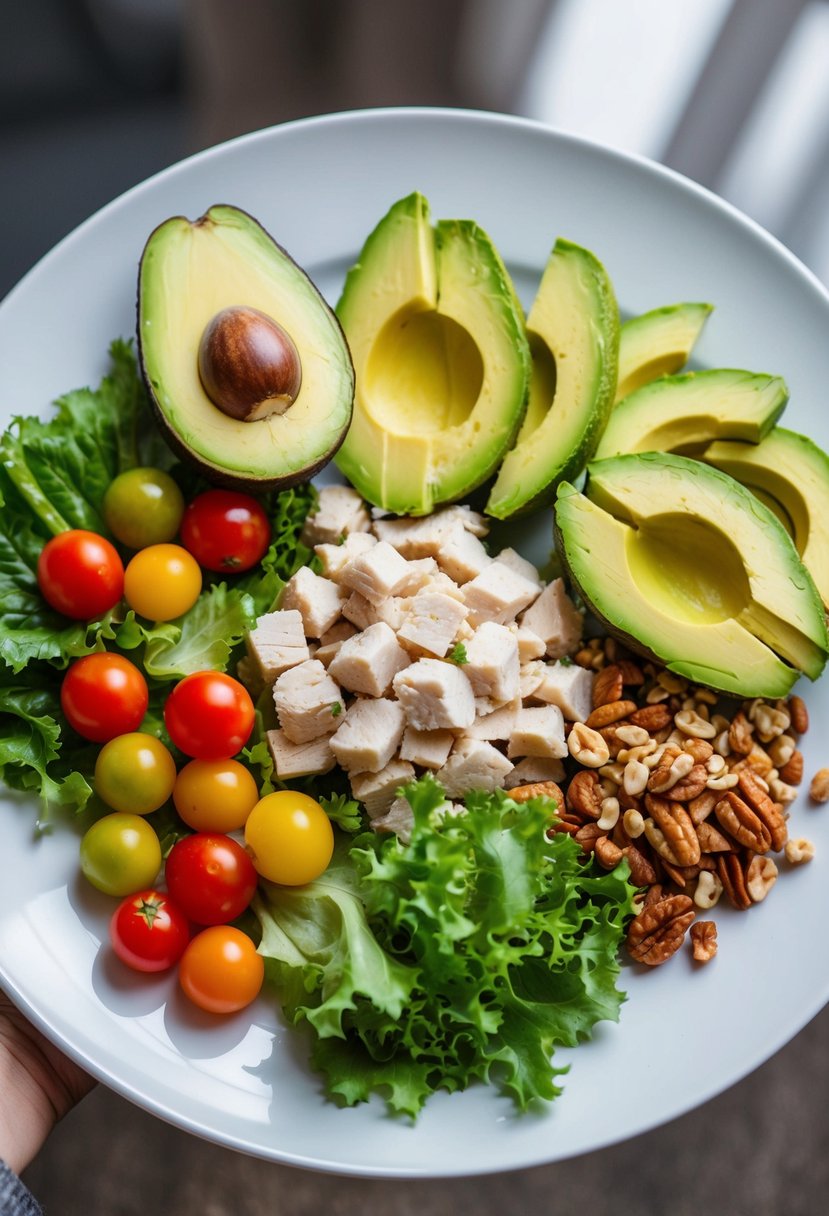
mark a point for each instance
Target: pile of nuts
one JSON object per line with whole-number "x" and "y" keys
{"x": 692, "y": 792}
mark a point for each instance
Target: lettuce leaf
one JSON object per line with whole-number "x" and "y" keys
{"x": 204, "y": 637}
{"x": 507, "y": 940}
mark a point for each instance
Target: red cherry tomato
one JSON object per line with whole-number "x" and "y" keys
{"x": 209, "y": 715}
{"x": 80, "y": 574}
{"x": 225, "y": 531}
{"x": 148, "y": 932}
{"x": 210, "y": 877}
{"x": 104, "y": 695}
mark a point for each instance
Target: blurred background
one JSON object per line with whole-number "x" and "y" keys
{"x": 96, "y": 95}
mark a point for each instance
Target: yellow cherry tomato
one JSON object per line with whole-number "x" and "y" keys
{"x": 215, "y": 795}
{"x": 289, "y": 837}
{"x": 135, "y": 773}
{"x": 162, "y": 581}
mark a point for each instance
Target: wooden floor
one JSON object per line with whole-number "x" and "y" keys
{"x": 760, "y": 1149}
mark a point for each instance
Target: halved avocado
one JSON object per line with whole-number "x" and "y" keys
{"x": 689, "y": 568}
{"x": 225, "y": 264}
{"x": 573, "y": 327}
{"x": 658, "y": 343}
{"x": 685, "y": 413}
{"x": 441, "y": 359}
{"x": 790, "y": 474}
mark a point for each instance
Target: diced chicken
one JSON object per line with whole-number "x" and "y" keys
{"x": 473, "y": 765}
{"x": 539, "y": 731}
{"x": 307, "y": 701}
{"x": 498, "y": 594}
{"x": 398, "y": 820}
{"x": 362, "y": 613}
{"x": 568, "y": 686}
{"x": 367, "y": 662}
{"x": 277, "y": 643}
{"x": 530, "y": 645}
{"x": 424, "y": 537}
{"x": 556, "y": 620}
{"x": 318, "y": 599}
{"x": 369, "y": 735}
{"x": 377, "y": 791}
{"x": 299, "y": 759}
{"x": 534, "y": 768}
{"x": 431, "y": 623}
{"x": 377, "y": 573}
{"x": 492, "y": 666}
{"x": 334, "y": 558}
{"x": 426, "y": 748}
{"x": 532, "y": 674}
{"x": 435, "y": 695}
{"x": 496, "y": 726}
{"x": 439, "y": 581}
{"x": 462, "y": 556}
{"x": 513, "y": 559}
{"x": 340, "y": 512}
{"x": 338, "y": 632}
{"x": 420, "y": 573}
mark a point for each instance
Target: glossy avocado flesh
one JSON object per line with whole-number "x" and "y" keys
{"x": 690, "y": 568}
{"x": 790, "y": 474}
{"x": 685, "y": 413}
{"x": 658, "y": 343}
{"x": 441, "y": 359}
{"x": 573, "y": 327}
{"x": 191, "y": 272}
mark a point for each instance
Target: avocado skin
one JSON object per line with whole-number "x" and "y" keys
{"x": 216, "y": 473}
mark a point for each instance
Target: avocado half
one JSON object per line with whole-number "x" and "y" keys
{"x": 441, "y": 359}
{"x": 689, "y": 568}
{"x": 658, "y": 343}
{"x": 191, "y": 272}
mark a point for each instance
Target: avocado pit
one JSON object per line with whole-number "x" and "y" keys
{"x": 249, "y": 365}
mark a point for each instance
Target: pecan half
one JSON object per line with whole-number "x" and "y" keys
{"x": 700, "y": 808}
{"x": 740, "y": 734}
{"x": 657, "y": 932}
{"x": 704, "y": 940}
{"x": 608, "y": 713}
{"x": 675, "y": 838}
{"x": 584, "y": 794}
{"x": 607, "y": 853}
{"x": 819, "y": 786}
{"x": 792, "y": 771}
{"x": 652, "y": 717}
{"x": 741, "y": 823}
{"x": 712, "y": 840}
{"x": 538, "y": 789}
{"x": 765, "y": 808}
{"x": 642, "y": 871}
{"x": 732, "y": 876}
{"x": 607, "y": 685}
{"x": 799, "y": 715}
{"x": 631, "y": 672}
{"x": 689, "y": 787}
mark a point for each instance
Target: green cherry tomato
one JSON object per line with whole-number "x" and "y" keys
{"x": 135, "y": 773}
{"x": 143, "y": 507}
{"x": 120, "y": 854}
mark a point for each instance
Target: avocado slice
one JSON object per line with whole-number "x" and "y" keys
{"x": 691, "y": 569}
{"x": 790, "y": 474}
{"x": 573, "y": 328}
{"x": 658, "y": 343}
{"x": 441, "y": 359}
{"x": 685, "y": 413}
{"x": 225, "y": 263}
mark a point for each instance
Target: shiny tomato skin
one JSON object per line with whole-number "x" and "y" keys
{"x": 220, "y": 970}
{"x": 162, "y": 582}
{"x": 143, "y": 506}
{"x": 134, "y": 773}
{"x": 209, "y": 715}
{"x": 289, "y": 837}
{"x": 226, "y": 531}
{"x": 104, "y": 695}
{"x": 80, "y": 574}
{"x": 120, "y": 854}
{"x": 148, "y": 932}
{"x": 215, "y": 795}
{"x": 210, "y": 877}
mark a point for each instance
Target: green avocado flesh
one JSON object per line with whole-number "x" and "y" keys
{"x": 685, "y": 413}
{"x": 658, "y": 343}
{"x": 191, "y": 271}
{"x": 573, "y": 328}
{"x": 790, "y": 474}
{"x": 690, "y": 568}
{"x": 441, "y": 360}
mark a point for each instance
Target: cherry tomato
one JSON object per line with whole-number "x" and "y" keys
{"x": 215, "y": 795}
{"x": 226, "y": 531}
{"x": 120, "y": 854}
{"x": 80, "y": 574}
{"x": 162, "y": 581}
{"x": 103, "y": 695}
{"x": 143, "y": 507}
{"x": 135, "y": 772}
{"x": 220, "y": 970}
{"x": 210, "y": 877}
{"x": 209, "y": 715}
{"x": 148, "y": 932}
{"x": 290, "y": 838}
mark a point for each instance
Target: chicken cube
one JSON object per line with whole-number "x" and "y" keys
{"x": 362, "y": 613}
{"x": 318, "y": 599}
{"x": 340, "y": 511}
{"x": 398, "y": 820}
{"x": 334, "y": 558}
{"x": 377, "y": 573}
{"x": 530, "y": 645}
{"x": 424, "y": 537}
{"x": 377, "y": 791}
{"x": 431, "y": 623}
{"x": 426, "y": 748}
{"x": 535, "y": 768}
{"x": 568, "y": 686}
{"x": 492, "y": 666}
{"x": 531, "y": 676}
{"x": 299, "y": 759}
{"x": 556, "y": 620}
{"x": 473, "y": 765}
{"x": 369, "y": 735}
{"x": 367, "y": 662}
{"x": 277, "y": 643}
{"x": 435, "y": 695}
{"x": 462, "y": 556}
{"x": 307, "y": 701}
{"x": 539, "y": 731}
{"x": 498, "y": 594}
{"x": 496, "y": 726}
{"x": 420, "y": 573}
{"x": 513, "y": 559}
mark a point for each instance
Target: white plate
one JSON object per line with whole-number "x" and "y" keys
{"x": 319, "y": 186}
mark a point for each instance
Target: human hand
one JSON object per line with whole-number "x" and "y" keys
{"x": 38, "y": 1086}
